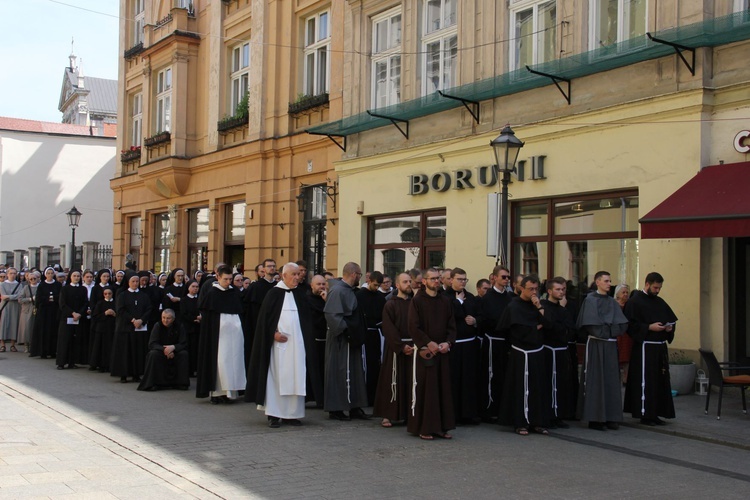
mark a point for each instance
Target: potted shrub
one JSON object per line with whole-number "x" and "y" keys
{"x": 681, "y": 372}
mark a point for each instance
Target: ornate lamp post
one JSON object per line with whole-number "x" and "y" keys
{"x": 506, "y": 147}
{"x": 74, "y": 217}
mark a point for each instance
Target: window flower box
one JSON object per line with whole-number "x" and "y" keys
{"x": 134, "y": 50}
{"x": 307, "y": 102}
{"x": 231, "y": 122}
{"x": 132, "y": 154}
{"x": 157, "y": 139}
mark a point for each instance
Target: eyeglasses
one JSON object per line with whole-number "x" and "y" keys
{"x": 436, "y": 278}
{"x": 504, "y": 277}
{"x": 461, "y": 279}
{"x": 532, "y": 289}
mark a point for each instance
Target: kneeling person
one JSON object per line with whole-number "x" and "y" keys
{"x": 167, "y": 361}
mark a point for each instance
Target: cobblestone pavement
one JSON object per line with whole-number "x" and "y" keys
{"x": 79, "y": 434}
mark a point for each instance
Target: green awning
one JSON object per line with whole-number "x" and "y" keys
{"x": 710, "y": 33}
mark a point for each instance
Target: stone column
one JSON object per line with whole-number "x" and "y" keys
{"x": 89, "y": 247}
{"x": 18, "y": 259}
{"x": 44, "y": 256}
{"x": 33, "y": 261}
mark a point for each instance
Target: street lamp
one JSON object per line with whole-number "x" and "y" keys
{"x": 74, "y": 217}
{"x": 506, "y": 147}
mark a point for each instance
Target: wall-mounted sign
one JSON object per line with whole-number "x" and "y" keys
{"x": 466, "y": 178}
{"x": 741, "y": 142}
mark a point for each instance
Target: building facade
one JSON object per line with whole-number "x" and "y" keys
{"x": 215, "y": 166}
{"x": 45, "y": 170}
{"x": 619, "y": 104}
{"x": 86, "y": 100}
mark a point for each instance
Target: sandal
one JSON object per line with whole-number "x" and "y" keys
{"x": 444, "y": 435}
{"x": 2, "y": 348}
{"x": 13, "y": 349}
{"x": 522, "y": 431}
{"x": 426, "y": 437}
{"x": 386, "y": 423}
{"x": 541, "y": 430}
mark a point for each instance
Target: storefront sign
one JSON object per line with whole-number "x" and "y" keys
{"x": 741, "y": 142}
{"x": 466, "y": 178}
{"x": 458, "y": 179}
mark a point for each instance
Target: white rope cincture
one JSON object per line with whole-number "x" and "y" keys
{"x": 586, "y": 364}
{"x": 643, "y": 372}
{"x": 526, "y": 379}
{"x": 414, "y": 381}
{"x": 348, "y": 377}
{"x": 393, "y": 379}
{"x": 490, "y": 371}
{"x": 554, "y": 373}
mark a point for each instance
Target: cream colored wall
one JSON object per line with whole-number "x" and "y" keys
{"x": 653, "y": 145}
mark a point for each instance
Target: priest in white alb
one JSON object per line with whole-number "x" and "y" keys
{"x": 279, "y": 369}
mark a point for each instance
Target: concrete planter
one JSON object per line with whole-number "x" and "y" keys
{"x": 682, "y": 378}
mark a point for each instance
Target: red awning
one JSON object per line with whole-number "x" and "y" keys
{"x": 713, "y": 204}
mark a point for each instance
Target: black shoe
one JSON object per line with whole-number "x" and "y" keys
{"x": 60, "y": 367}
{"x": 136, "y": 379}
{"x": 227, "y": 401}
{"x": 338, "y": 415}
{"x": 101, "y": 370}
{"x": 359, "y": 414}
{"x": 123, "y": 380}
{"x": 92, "y": 368}
{"x": 292, "y": 421}
{"x": 72, "y": 366}
{"x": 274, "y": 422}
{"x": 215, "y": 400}
{"x": 648, "y": 421}
{"x": 659, "y": 421}
{"x": 612, "y": 425}
{"x": 597, "y": 426}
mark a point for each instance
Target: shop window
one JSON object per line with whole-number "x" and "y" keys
{"x": 439, "y": 46}
{"x": 386, "y": 59}
{"x": 234, "y": 235}
{"x": 162, "y": 243}
{"x": 317, "y": 46}
{"x": 577, "y": 236}
{"x": 534, "y": 28}
{"x": 197, "y": 239}
{"x": 615, "y": 21}
{"x": 397, "y": 243}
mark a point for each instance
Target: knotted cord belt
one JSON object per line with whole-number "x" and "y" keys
{"x": 526, "y": 379}
{"x": 554, "y": 373}
{"x": 490, "y": 371}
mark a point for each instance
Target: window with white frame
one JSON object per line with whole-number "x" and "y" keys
{"x": 615, "y": 21}
{"x": 240, "y": 75}
{"x": 317, "y": 46}
{"x": 164, "y": 101}
{"x": 139, "y": 21}
{"x": 439, "y": 46}
{"x": 386, "y": 58}
{"x": 534, "y": 26}
{"x": 136, "y": 119}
